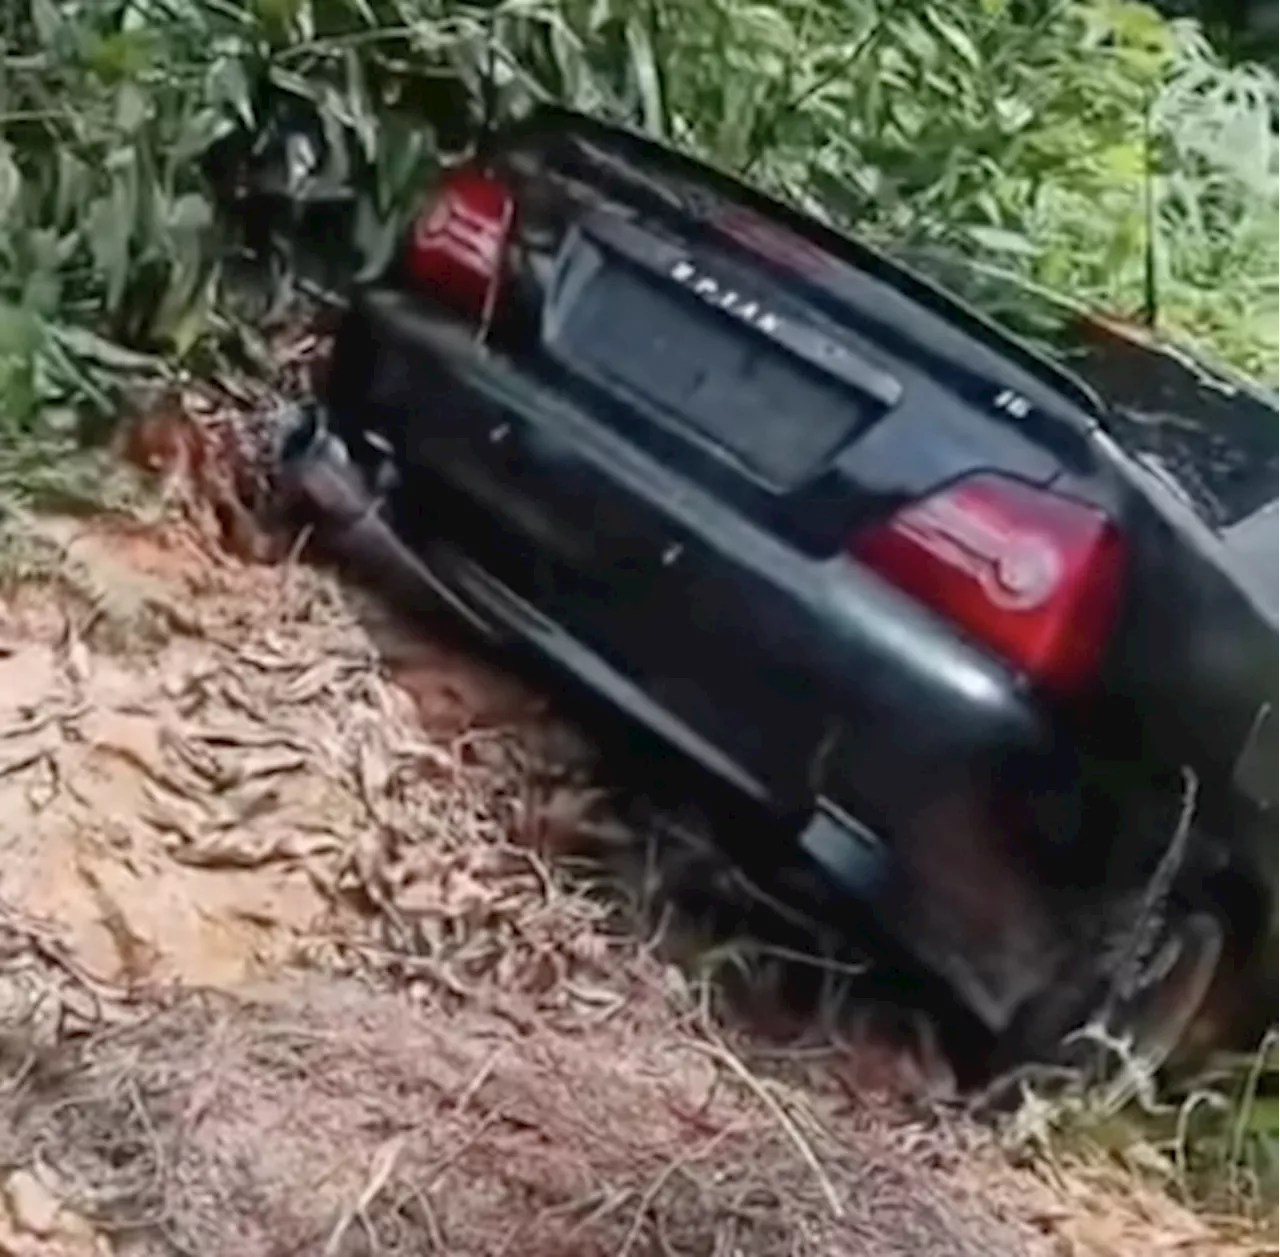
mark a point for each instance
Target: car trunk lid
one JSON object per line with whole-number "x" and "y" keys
{"x": 1204, "y": 431}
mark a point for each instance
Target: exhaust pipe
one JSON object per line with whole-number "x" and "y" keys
{"x": 320, "y": 481}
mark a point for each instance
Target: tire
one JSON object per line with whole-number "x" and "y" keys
{"x": 1157, "y": 1019}
{"x": 1052, "y": 1028}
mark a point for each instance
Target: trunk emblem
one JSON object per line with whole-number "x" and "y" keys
{"x": 722, "y": 297}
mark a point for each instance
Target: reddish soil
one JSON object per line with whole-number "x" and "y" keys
{"x": 293, "y": 962}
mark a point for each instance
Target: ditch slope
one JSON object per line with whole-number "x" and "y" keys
{"x": 304, "y": 951}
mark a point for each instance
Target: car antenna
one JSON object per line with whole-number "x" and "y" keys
{"x": 1150, "y": 293}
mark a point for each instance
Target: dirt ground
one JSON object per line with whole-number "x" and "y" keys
{"x": 299, "y": 954}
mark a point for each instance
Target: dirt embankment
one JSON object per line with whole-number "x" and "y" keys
{"x": 294, "y": 960}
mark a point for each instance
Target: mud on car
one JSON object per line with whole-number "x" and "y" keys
{"x": 987, "y": 631}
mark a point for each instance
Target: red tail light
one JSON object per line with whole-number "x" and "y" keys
{"x": 1034, "y": 576}
{"x": 458, "y": 241}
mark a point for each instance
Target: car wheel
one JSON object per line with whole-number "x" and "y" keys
{"x": 1157, "y": 1018}
{"x": 1073, "y": 1023}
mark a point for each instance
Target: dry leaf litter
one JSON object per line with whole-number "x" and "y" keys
{"x": 216, "y": 776}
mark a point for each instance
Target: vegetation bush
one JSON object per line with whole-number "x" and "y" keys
{"x": 1088, "y": 148}
{"x": 1054, "y": 142}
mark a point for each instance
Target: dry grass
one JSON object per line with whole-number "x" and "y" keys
{"x": 323, "y": 1118}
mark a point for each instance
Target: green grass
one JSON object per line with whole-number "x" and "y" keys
{"x": 1054, "y": 149}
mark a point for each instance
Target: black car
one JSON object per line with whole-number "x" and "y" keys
{"x": 994, "y": 649}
